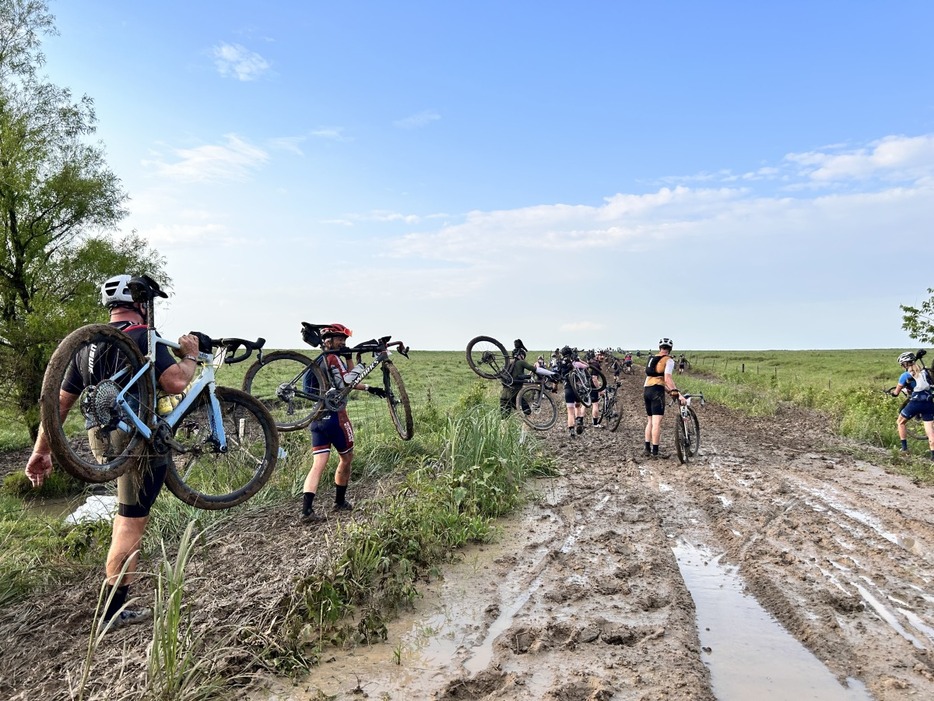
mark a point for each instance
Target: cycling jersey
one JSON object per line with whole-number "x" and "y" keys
{"x": 662, "y": 364}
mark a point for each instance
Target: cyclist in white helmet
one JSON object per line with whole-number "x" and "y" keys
{"x": 659, "y": 370}
{"x": 917, "y": 380}
{"x": 138, "y": 488}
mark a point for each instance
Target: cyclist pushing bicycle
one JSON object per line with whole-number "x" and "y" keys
{"x": 916, "y": 379}
{"x": 658, "y": 381}
{"x": 139, "y": 486}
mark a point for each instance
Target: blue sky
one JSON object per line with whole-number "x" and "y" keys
{"x": 732, "y": 175}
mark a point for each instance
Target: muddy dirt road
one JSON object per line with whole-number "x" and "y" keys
{"x": 584, "y": 596}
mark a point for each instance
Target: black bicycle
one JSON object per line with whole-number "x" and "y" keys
{"x": 687, "y": 428}
{"x": 296, "y": 390}
{"x": 534, "y": 404}
{"x": 611, "y": 412}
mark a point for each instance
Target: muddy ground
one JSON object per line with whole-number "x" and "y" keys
{"x": 582, "y": 597}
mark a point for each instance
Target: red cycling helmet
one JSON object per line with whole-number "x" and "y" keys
{"x": 336, "y": 330}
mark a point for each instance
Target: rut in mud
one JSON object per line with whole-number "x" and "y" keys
{"x": 583, "y": 598}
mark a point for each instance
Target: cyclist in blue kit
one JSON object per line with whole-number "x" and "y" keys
{"x": 917, "y": 380}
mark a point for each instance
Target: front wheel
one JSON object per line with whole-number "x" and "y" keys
{"x": 488, "y": 358}
{"x": 398, "y": 400}
{"x": 536, "y": 407}
{"x": 681, "y": 441}
{"x": 290, "y": 385}
{"x": 692, "y": 432}
{"x": 90, "y": 367}
{"x": 206, "y": 477}
{"x": 611, "y": 414}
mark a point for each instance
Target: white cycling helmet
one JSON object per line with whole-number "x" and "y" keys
{"x": 906, "y": 358}
{"x": 116, "y": 290}
{"x": 666, "y": 342}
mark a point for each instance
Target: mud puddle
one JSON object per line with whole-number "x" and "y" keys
{"x": 748, "y": 652}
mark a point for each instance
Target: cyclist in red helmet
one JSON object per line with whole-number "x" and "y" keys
{"x": 333, "y": 430}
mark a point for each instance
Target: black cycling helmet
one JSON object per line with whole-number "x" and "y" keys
{"x": 567, "y": 351}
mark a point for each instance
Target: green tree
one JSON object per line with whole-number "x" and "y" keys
{"x": 58, "y": 201}
{"x": 919, "y": 321}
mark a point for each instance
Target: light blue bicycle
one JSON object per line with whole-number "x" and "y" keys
{"x": 223, "y": 442}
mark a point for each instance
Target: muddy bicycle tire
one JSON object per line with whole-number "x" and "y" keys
{"x": 536, "y": 407}
{"x": 597, "y": 374}
{"x": 397, "y": 398}
{"x": 687, "y": 430}
{"x": 207, "y": 478}
{"x": 580, "y": 389}
{"x": 116, "y": 360}
{"x": 610, "y": 412}
{"x": 279, "y": 383}
{"x": 488, "y": 358}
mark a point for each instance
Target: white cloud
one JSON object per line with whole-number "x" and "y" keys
{"x": 292, "y": 144}
{"x": 331, "y": 134}
{"x": 233, "y": 160}
{"x": 236, "y": 61}
{"x": 416, "y": 121}
{"x": 891, "y": 158}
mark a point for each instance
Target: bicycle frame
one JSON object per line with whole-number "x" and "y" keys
{"x": 205, "y": 380}
{"x": 335, "y": 398}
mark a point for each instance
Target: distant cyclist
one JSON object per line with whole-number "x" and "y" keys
{"x": 917, "y": 380}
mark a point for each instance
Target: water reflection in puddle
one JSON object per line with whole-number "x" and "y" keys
{"x": 750, "y": 654}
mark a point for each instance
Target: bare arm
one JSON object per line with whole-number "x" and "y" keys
{"x": 39, "y": 465}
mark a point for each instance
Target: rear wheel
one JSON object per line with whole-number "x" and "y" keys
{"x": 536, "y": 407}
{"x": 290, "y": 385}
{"x": 206, "y": 477}
{"x": 398, "y": 400}
{"x": 101, "y": 360}
{"x": 488, "y": 358}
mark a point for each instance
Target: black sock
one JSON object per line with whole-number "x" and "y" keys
{"x": 648, "y": 447}
{"x": 654, "y": 449}
{"x": 120, "y": 596}
{"x": 308, "y": 501}
{"x": 340, "y": 493}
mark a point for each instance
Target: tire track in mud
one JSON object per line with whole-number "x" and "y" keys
{"x": 832, "y": 546}
{"x": 598, "y": 611}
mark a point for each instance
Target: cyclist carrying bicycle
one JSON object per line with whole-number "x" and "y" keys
{"x": 138, "y": 488}
{"x": 917, "y": 380}
{"x": 658, "y": 370}
{"x": 520, "y": 370}
{"x": 333, "y": 429}
{"x": 576, "y": 410}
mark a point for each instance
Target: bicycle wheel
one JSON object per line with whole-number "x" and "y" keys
{"x": 398, "y": 400}
{"x": 487, "y": 357}
{"x": 692, "y": 433}
{"x": 536, "y": 407}
{"x": 610, "y": 412}
{"x": 290, "y": 385}
{"x": 597, "y": 378}
{"x": 102, "y": 360}
{"x": 581, "y": 388}
{"x": 681, "y": 440}
{"x": 207, "y": 478}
